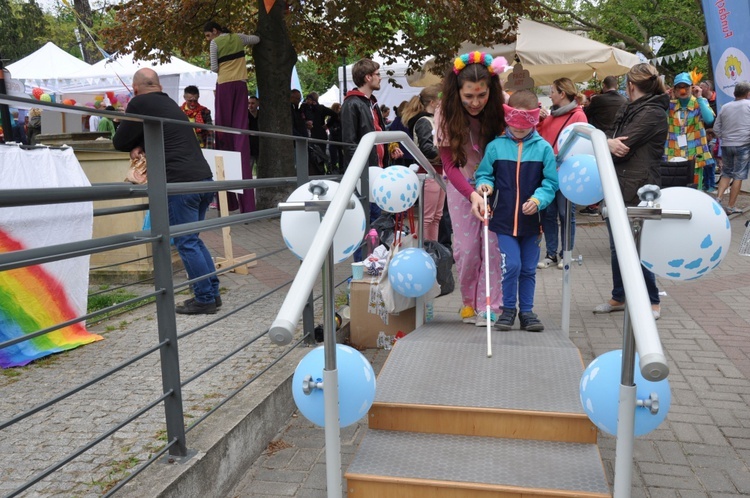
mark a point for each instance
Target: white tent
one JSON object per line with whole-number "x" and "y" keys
{"x": 388, "y": 94}
{"x": 117, "y": 75}
{"x": 45, "y": 66}
{"x": 331, "y": 96}
{"x": 549, "y": 53}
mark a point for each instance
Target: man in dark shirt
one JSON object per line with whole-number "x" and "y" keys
{"x": 252, "y": 119}
{"x": 299, "y": 124}
{"x": 601, "y": 114}
{"x": 184, "y": 163}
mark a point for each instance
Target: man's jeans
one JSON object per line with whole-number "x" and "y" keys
{"x": 188, "y": 208}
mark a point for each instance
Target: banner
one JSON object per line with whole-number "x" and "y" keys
{"x": 729, "y": 42}
{"x": 36, "y": 297}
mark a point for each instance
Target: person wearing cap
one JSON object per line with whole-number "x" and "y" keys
{"x": 689, "y": 116}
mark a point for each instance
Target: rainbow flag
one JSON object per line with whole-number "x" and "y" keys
{"x": 32, "y": 299}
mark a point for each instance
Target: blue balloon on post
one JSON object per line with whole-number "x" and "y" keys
{"x": 395, "y": 189}
{"x": 412, "y": 272}
{"x": 579, "y": 180}
{"x": 356, "y": 385}
{"x": 600, "y": 395}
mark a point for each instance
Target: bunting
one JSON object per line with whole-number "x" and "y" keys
{"x": 680, "y": 55}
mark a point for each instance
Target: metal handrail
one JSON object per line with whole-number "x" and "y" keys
{"x": 282, "y": 330}
{"x": 653, "y": 363}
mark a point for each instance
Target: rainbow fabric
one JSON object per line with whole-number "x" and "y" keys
{"x": 32, "y": 299}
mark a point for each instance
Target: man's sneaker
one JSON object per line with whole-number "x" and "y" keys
{"x": 589, "y": 211}
{"x": 560, "y": 264}
{"x": 193, "y": 307}
{"x": 218, "y": 301}
{"x": 547, "y": 262}
{"x": 506, "y": 320}
{"x": 530, "y": 322}
{"x": 468, "y": 315}
{"x": 482, "y": 319}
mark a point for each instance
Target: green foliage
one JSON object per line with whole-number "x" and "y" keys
{"x": 634, "y": 22}
{"x": 22, "y": 28}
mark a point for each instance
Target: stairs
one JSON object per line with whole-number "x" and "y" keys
{"x": 449, "y": 422}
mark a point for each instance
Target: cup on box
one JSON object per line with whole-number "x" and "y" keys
{"x": 358, "y": 271}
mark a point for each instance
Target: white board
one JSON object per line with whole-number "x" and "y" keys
{"x": 232, "y": 164}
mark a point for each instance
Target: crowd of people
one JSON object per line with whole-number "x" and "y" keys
{"x": 496, "y": 153}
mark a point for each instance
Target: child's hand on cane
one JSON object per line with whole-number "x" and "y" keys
{"x": 477, "y": 200}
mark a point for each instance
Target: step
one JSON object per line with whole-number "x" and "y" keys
{"x": 415, "y": 465}
{"x": 439, "y": 379}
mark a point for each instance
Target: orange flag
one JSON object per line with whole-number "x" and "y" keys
{"x": 269, "y": 5}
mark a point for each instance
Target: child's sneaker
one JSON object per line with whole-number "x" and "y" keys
{"x": 530, "y": 322}
{"x": 506, "y": 319}
{"x": 482, "y": 319}
{"x": 468, "y": 315}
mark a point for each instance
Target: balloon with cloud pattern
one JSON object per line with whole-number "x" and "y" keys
{"x": 356, "y": 385}
{"x": 579, "y": 180}
{"x": 395, "y": 189}
{"x": 686, "y": 249}
{"x": 299, "y": 227}
{"x": 412, "y": 272}
{"x": 599, "y": 391}
{"x": 580, "y": 146}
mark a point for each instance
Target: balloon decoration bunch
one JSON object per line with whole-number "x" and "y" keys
{"x": 41, "y": 95}
{"x": 411, "y": 272}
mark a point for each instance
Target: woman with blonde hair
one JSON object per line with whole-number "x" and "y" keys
{"x": 418, "y": 115}
{"x": 566, "y": 110}
{"x": 469, "y": 117}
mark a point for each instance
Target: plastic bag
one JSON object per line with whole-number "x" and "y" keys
{"x": 444, "y": 262}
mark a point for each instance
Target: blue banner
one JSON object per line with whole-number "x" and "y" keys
{"x": 729, "y": 44}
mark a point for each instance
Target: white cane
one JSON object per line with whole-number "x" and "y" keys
{"x": 487, "y": 273}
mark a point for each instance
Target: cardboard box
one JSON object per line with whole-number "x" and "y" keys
{"x": 366, "y": 326}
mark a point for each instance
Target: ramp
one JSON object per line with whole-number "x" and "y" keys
{"x": 448, "y": 421}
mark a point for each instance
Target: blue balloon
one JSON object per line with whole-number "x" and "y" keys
{"x": 600, "y": 395}
{"x": 579, "y": 180}
{"x": 356, "y": 385}
{"x": 412, "y": 272}
{"x": 395, "y": 188}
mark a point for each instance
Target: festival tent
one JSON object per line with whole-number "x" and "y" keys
{"x": 548, "y": 53}
{"x": 44, "y": 67}
{"x": 388, "y": 93}
{"x": 331, "y": 96}
{"x": 116, "y": 75}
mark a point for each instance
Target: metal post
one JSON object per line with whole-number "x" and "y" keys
{"x": 308, "y": 313}
{"x": 4, "y": 109}
{"x": 331, "y": 383}
{"x": 626, "y": 409}
{"x": 566, "y": 258}
{"x": 419, "y": 315}
{"x": 165, "y": 307}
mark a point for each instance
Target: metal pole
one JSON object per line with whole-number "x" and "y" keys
{"x": 419, "y": 315}
{"x": 303, "y": 176}
{"x": 626, "y": 409}
{"x": 4, "y": 109}
{"x": 165, "y": 307}
{"x": 567, "y": 257}
{"x": 331, "y": 383}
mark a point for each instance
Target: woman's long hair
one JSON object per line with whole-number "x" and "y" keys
{"x": 455, "y": 121}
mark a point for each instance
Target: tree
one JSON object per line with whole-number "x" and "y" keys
{"x": 634, "y": 23}
{"x": 324, "y": 30}
{"x": 22, "y": 28}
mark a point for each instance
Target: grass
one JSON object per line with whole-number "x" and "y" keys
{"x": 101, "y": 301}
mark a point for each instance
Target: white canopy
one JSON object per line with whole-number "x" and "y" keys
{"x": 43, "y": 67}
{"x": 388, "y": 93}
{"x": 116, "y": 74}
{"x": 331, "y": 96}
{"x": 549, "y": 53}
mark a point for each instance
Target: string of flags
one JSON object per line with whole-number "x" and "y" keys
{"x": 680, "y": 55}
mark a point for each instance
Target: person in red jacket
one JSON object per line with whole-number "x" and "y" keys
{"x": 566, "y": 110}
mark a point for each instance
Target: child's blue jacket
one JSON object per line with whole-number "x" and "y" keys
{"x": 515, "y": 180}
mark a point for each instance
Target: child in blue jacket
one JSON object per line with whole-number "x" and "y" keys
{"x": 520, "y": 168}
